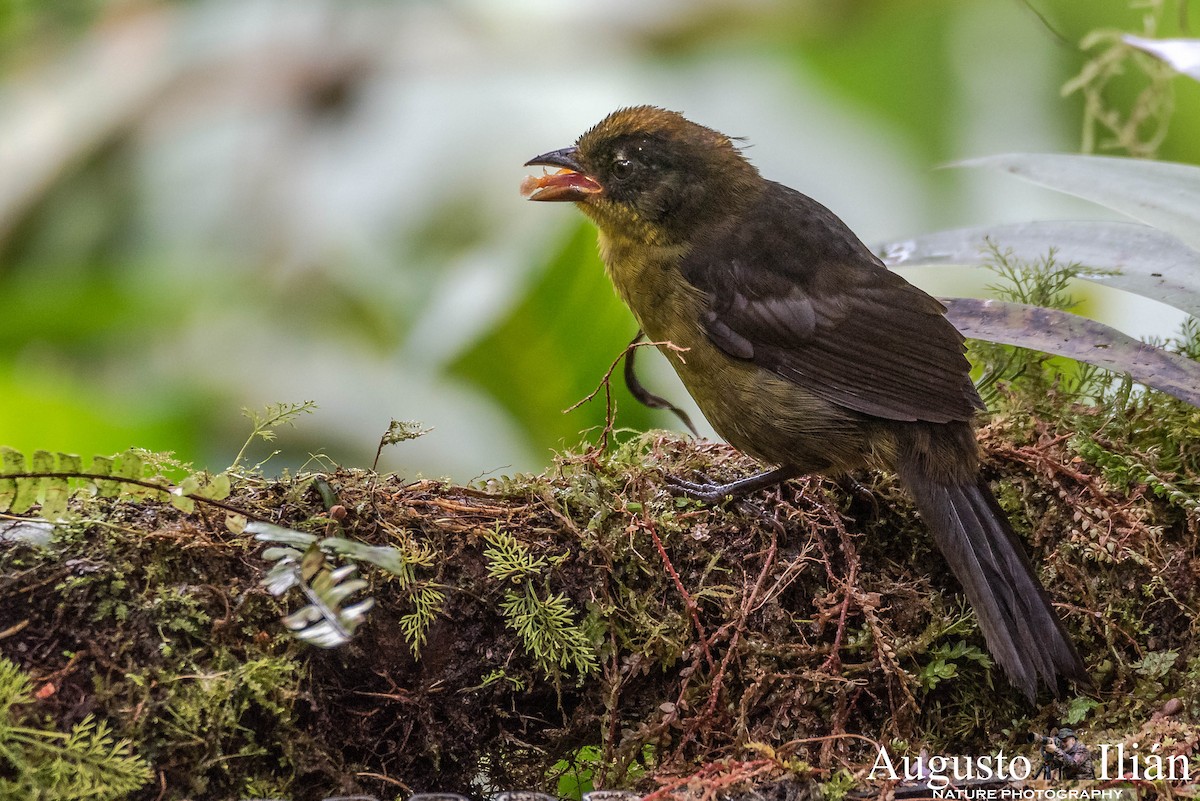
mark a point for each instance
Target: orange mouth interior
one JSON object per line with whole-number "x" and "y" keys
{"x": 563, "y": 184}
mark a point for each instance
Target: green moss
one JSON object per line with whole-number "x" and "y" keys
{"x": 42, "y": 762}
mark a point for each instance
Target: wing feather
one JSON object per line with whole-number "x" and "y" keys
{"x": 794, "y": 291}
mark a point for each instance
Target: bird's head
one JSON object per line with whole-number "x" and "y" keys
{"x": 647, "y": 173}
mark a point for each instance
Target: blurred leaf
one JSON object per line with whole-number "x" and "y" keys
{"x": 12, "y": 462}
{"x": 24, "y": 22}
{"x": 269, "y": 532}
{"x": 103, "y": 466}
{"x": 324, "y": 621}
{"x": 181, "y": 501}
{"x": 218, "y": 486}
{"x": 554, "y": 347}
{"x": 387, "y": 557}
{"x": 1075, "y": 20}
{"x": 1182, "y": 54}
{"x": 1126, "y": 256}
{"x": 58, "y": 305}
{"x": 1079, "y": 708}
{"x": 1164, "y": 195}
{"x": 1065, "y": 334}
{"x": 53, "y": 490}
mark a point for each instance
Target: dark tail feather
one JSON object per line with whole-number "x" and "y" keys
{"x": 1021, "y": 628}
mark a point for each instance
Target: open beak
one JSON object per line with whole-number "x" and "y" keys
{"x": 569, "y": 183}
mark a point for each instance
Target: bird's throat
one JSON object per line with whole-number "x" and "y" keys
{"x": 646, "y": 276}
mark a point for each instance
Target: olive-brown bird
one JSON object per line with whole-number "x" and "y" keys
{"x": 803, "y": 350}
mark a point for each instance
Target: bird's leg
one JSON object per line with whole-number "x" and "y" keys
{"x": 645, "y": 396}
{"x": 716, "y": 493}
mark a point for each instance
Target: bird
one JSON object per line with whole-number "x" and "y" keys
{"x": 804, "y": 351}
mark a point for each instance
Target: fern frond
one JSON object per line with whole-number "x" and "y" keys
{"x": 547, "y": 628}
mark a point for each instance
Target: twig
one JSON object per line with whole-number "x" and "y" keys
{"x": 713, "y": 777}
{"x": 833, "y": 663}
{"x": 648, "y": 524}
{"x": 613, "y": 699}
{"x": 606, "y": 385}
{"x": 743, "y": 613}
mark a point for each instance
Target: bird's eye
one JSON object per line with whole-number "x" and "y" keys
{"x": 622, "y": 169}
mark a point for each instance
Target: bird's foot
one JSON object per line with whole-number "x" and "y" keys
{"x": 705, "y": 491}
{"x": 859, "y": 491}
{"x": 709, "y": 492}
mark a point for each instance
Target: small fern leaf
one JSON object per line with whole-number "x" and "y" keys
{"x": 26, "y": 497}
{"x": 103, "y": 466}
{"x": 55, "y": 489}
{"x": 11, "y": 462}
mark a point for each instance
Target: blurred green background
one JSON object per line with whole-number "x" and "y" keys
{"x": 211, "y": 205}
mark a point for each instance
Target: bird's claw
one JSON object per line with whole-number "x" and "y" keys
{"x": 860, "y": 492}
{"x": 705, "y": 491}
{"x": 719, "y": 493}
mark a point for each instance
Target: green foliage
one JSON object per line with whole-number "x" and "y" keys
{"x": 399, "y": 560}
{"x": 1046, "y": 283}
{"x": 1156, "y": 664}
{"x": 427, "y": 602}
{"x": 1078, "y": 709}
{"x": 169, "y": 630}
{"x": 574, "y": 776}
{"x": 50, "y": 480}
{"x": 42, "y": 763}
{"x": 509, "y": 560}
{"x": 264, "y": 423}
{"x": 578, "y": 773}
{"x": 398, "y": 431}
{"x": 547, "y": 628}
{"x": 546, "y": 625}
{"x": 309, "y": 563}
{"x": 945, "y": 660}
{"x": 1041, "y": 381}
{"x": 204, "y": 486}
{"x": 1148, "y": 439}
{"x": 1125, "y": 470}
{"x": 227, "y": 714}
{"x": 1188, "y": 342}
{"x": 518, "y": 559}
{"x": 86, "y": 291}
{"x": 326, "y": 621}
{"x": 1135, "y": 437}
{"x": 839, "y": 785}
{"x": 402, "y": 431}
{"x": 1154, "y": 671}
{"x": 1141, "y": 129}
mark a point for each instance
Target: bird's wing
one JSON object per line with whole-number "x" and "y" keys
{"x": 793, "y": 290}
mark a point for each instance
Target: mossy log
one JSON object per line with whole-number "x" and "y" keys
{"x": 586, "y": 621}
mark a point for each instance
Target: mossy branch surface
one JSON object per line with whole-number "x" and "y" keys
{"x": 530, "y": 619}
